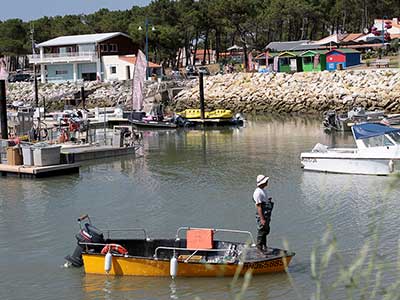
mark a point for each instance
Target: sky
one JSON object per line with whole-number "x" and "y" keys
{"x": 34, "y": 9}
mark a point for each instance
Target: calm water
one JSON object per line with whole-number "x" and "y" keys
{"x": 191, "y": 178}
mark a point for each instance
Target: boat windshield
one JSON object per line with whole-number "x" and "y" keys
{"x": 395, "y": 136}
{"x": 379, "y": 141}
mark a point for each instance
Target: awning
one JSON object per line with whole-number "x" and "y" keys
{"x": 367, "y": 130}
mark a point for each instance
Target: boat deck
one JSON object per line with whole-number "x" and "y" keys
{"x": 38, "y": 172}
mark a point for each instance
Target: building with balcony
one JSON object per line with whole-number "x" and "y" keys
{"x": 79, "y": 57}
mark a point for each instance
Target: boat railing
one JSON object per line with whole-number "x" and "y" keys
{"x": 174, "y": 249}
{"x": 216, "y": 230}
{"x": 195, "y": 250}
{"x": 343, "y": 150}
{"x": 109, "y": 231}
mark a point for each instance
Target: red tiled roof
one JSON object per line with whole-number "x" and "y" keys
{"x": 351, "y": 37}
{"x": 132, "y": 60}
{"x": 201, "y": 51}
{"x": 228, "y": 54}
{"x": 378, "y": 45}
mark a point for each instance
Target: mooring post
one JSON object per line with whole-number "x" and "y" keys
{"x": 37, "y": 100}
{"x": 201, "y": 85}
{"x": 3, "y": 110}
{"x": 44, "y": 108}
{"x": 83, "y": 98}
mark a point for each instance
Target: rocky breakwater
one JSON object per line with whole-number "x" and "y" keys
{"x": 312, "y": 92}
{"x": 115, "y": 93}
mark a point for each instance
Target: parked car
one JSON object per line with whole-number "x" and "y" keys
{"x": 191, "y": 71}
{"x": 203, "y": 70}
{"x": 19, "y": 77}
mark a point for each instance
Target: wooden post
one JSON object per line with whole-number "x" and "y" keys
{"x": 201, "y": 86}
{"x": 3, "y": 110}
{"x": 83, "y": 97}
{"x": 37, "y": 100}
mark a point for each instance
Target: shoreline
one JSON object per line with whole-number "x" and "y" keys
{"x": 303, "y": 93}
{"x": 307, "y": 93}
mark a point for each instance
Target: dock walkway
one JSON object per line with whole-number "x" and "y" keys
{"x": 38, "y": 172}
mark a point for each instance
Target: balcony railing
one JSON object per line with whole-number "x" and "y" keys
{"x": 63, "y": 57}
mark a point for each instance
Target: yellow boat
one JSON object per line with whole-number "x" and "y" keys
{"x": 215, "y": 114}
{"x": 198, "y": 255}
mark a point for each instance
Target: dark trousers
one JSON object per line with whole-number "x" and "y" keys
{"x": 262, "y": 232}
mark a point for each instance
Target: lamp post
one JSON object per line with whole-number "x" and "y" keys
{"x": 383, "y": 33}
{"x": 147, "y": 44}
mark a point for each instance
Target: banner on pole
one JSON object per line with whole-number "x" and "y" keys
{"x": 139, "y": 75}
{"x": 3, "y": 69}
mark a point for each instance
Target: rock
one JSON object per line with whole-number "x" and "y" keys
{"x": 241, "y": 91}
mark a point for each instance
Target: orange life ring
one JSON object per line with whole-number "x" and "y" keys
{"x": 114, "y": 247}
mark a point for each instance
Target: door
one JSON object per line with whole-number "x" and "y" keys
{"x": 293, "y": 64}
{"x": 89, "y": 76}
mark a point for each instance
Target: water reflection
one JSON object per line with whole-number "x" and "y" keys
{"x": 192, "y": 178}
{"x": 276, "y": 286}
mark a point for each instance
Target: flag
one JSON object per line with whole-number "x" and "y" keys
{"x": 3, "y": 69}
{"x": 276, "y": 64}
{"x": 139, "y": 74}
{"x": 250, "y": 61}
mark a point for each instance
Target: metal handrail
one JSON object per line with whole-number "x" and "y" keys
{"x": 129, "y": 229}
{"x": 65, "y": 54}
{"x": 215, "y": 230}
{"x": 168, "y": 248}
{"x": 189, "y": 249}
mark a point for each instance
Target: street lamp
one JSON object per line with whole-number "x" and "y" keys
{"x": 147, "y": 44}
{"x": 383, "y": 32}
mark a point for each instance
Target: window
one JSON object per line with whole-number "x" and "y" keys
{"x": 113, "y": 70}
{"x": 377, "y": 141}
{"x": 112, "y": 48}
{"x": 307, "y": 60}
{"x": 61, "y": 72}
{"x": 395, "y": 136}
{"x": 108, "y": 47}
{"x": 284, "y": 61}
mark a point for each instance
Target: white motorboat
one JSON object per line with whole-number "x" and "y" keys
{"x": 377, "y": 153}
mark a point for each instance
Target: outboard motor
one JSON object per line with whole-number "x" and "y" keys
{"x": 239, "y": 119}
{"x": 330, "y": 120}
{"x": 87, "y": 234}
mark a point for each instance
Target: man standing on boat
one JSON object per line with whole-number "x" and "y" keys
{"x": 264, "y": 207}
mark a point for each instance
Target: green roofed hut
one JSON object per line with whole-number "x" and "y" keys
{"x": 313, "y": 60}
{"x": 289, "y": 62}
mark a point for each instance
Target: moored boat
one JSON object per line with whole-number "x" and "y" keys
{"x": 215, "y": 114}
{"x": 377, "y": 152}
{"x": 152, "y": 124}
{"x": 199, "y": 254}
{"x": 343, "y": 122}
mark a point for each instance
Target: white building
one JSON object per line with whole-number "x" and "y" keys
{"x": 80, "y": 57}
{"x": 121, "y": 67}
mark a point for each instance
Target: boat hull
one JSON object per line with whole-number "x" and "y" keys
{"x": 360, "y": 166}
{"x": 153, "y": 124}
{"x": 136, "y": 266}
{"x": 215, "y": 114}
